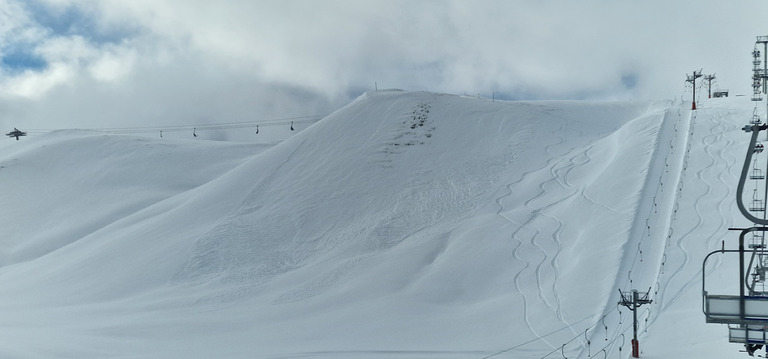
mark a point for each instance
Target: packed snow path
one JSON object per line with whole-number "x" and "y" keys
{"x": 404, "y": 225}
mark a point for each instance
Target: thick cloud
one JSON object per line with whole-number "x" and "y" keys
{"x": 101, "y": 63}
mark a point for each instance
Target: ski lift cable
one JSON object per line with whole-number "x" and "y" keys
{"x": 647, "y": 230}
{"x": 611, "y": 343}
{"x": 253, "y": 123}
{"x": 200, "y": 127}
{"x": 540, "y": 338}
{"x": 599, "y": 322}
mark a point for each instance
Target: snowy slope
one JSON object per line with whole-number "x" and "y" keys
{"x": 707, "y": 208}
{"x": 404, "y": 225}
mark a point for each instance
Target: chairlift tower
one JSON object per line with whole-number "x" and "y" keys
{"x": 746, "y": 313}
{"x": 709, "y": 79}
{"x": 692, "y": 80}
{"x": 758, "y": 76}
{"x": 759, "y": 82}
{"x": 758, "y": 265}
{"x": 764, "y": 40}
{"x": 633, "y": 300}
{"x": 16, "y": 133}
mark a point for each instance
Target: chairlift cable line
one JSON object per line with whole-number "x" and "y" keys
{"x": 201, "y": 127}
{"x": 540, "y": 338}
{"x": 216, "y": 126}
{"x": 600, "y": 322}
{"x": 612, "y": 342}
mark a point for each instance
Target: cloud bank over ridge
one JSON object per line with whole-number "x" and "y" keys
{"x": 105, "y": 63}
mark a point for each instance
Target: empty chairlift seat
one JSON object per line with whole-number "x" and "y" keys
{"x": 757, "y": 241}
{"x": 747, "y": 308}
{"x": 757, "y": 174}
{"x": 725, "y": 309}
{"x": 748, "y": 334}
{"x": 757, "y": 205}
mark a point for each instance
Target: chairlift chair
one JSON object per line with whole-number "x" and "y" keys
{"x": 757, "y": 206}
{"x": 757, "y": 174}
{"x": 16, "y": 133}
{"x": 748, "y": 334}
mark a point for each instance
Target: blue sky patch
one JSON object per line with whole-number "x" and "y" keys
{"x": 76, "y": 21}
{"x": 19, "y": 61}
{"x": 629, "y": 81}
{"x": 60, "y": 21}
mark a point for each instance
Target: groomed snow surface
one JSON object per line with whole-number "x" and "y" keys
{"x": 404, "y": 225}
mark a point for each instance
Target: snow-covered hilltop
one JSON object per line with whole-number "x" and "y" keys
{"x": 404, "y": 225}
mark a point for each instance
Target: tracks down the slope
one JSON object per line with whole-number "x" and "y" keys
{"x": 709, "y": 197}
{"x": 645, "y": 251}
{"x": 537, "y": 235}
{"x": 538, "y": 242}
{"x": 538, "y": 230}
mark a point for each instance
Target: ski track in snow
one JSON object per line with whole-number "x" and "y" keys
{"x": 560, "y": 140}
{"x": 560, "y": 175}
{"x": 722, "y": 166}
{"x": 680, "y": 242}
{"x": 545, "y": 270}
{"x": 522, "y": 243}
{"x": 518, "y": 277}
{"x": 555, "y": 307}
{"x": 531, "y": 249}
{"x": 669, "y": 159}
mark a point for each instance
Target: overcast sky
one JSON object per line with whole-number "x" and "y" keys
{"x": 119, "y": 63}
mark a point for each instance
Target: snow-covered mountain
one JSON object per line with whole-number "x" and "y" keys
{"x": 404, "y": 225}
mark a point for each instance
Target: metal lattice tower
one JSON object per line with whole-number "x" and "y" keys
{"x": 746, "y": 314}
{"x": 757, "y": 76}
{"x": 692, "y": 80}
{"x": 709, "y": 79}
{"x": 763, "y": 40}
{"x": 633, "y": 300}
{"x": 759, "y": 261}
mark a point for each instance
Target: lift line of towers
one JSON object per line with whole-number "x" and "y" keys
{"x": 221, "y": 126}
{"x": 746, "y": 313}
